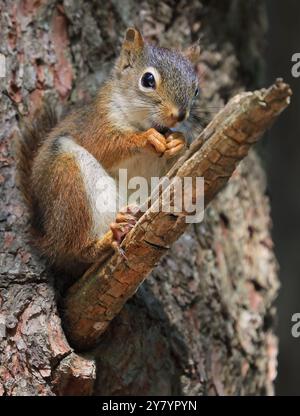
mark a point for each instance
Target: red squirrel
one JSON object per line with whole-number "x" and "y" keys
{"x": 150, "y": 90}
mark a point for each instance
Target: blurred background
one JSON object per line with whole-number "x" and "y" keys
{"x": 281, "y": 153}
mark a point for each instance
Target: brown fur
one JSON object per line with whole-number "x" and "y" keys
{"x": 104, "y": 141}
{"x": 55, "y": 191}
{"x": 51, "y": 180}
{"x": 64, "y": 197}
{"x": 33, "y": 134}
{"x": 68, "y": 244}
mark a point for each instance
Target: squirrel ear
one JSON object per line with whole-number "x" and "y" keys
{"x": 132, "y": 45}
{"x": 133, "y": 39}
{"x": 193, "y": 53}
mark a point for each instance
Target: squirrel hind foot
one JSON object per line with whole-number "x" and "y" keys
{"x": 125, "y": 221}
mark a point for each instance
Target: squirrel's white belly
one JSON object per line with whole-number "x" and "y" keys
{"x": 139, "y": 171}
{"x": 145, "y": 165}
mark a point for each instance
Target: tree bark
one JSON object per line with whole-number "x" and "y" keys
{"x": 202, "y": 323}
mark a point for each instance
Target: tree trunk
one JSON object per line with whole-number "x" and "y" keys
{"x": 202, "y": 322}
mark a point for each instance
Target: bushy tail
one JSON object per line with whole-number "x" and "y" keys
{"x": 33, "y": 134}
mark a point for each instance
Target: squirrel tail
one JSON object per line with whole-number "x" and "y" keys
{"x": 32, "y": 135}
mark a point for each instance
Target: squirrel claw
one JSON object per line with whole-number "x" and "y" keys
{"x": 120, "y": 230}
{"x": 129, "y": 214}
{"x": 175, "y": 144}
{"x": 118, "y": 249}
{"x": 125, "y": 221}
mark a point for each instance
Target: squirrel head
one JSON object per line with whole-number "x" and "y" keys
{"x": 151, "y": 86}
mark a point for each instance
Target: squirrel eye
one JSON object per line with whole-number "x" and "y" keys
{"x": 196, "y": 92}
{"x": 148, "y": 80}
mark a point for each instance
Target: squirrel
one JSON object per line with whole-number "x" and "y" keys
{"x": 127, "y": 126}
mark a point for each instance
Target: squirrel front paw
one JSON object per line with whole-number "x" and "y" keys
{"x": 156, "y": 141}
{"x": 175, "y": 144}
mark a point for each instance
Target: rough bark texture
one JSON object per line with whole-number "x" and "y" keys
{"x": 202, "y": 323}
